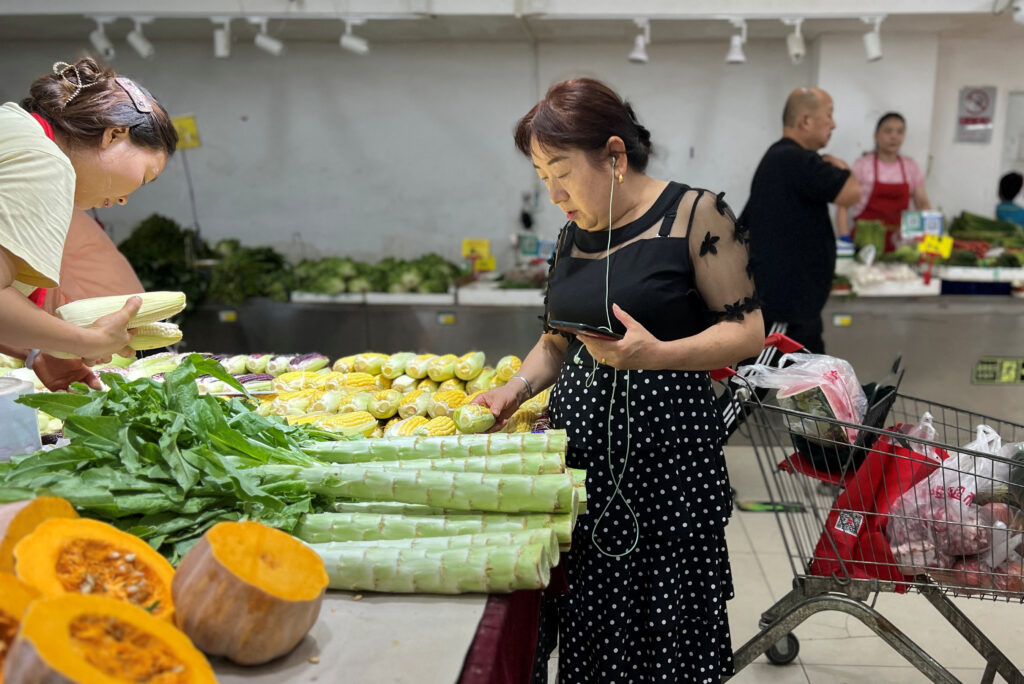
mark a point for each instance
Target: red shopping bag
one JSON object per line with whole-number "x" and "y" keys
{"x": 853, "y": 542}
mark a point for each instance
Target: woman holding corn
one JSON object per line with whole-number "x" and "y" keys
{"x": 85, "y": 138}
{"x": 663, "y": 266}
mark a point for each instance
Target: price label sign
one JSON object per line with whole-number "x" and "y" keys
{"x": 936, "y": 246}
{"x": 998, "y": 371}
{"x": 475, "y": 248}
{"x": 188, "y": 131}
{"x": 485, "y": 264}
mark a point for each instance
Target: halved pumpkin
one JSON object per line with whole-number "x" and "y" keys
{"x": 99, "y": 640}
{"x": 21, "y": 517}
{"x": 15, "y": 596}
{"x": 91, "y": 557}
{"x": 248, "y": 592}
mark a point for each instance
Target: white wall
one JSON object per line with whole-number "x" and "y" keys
{"x": 965, "y": 176}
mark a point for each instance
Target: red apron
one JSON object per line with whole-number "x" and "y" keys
{"x": 38, "y": 296}
{"x": 886, "y": 204}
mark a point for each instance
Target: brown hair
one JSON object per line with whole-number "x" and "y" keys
{"x": 583, "y": 113}
{"x": 83, "y": 100}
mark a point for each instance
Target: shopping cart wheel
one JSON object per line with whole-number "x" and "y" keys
{"x": 784, "y": 650}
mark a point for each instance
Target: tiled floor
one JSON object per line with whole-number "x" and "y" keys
{"x": 836, "y": 648}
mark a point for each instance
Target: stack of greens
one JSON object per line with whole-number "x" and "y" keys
{"x": 465, "y": 513}
{"x": 429, "y": 273}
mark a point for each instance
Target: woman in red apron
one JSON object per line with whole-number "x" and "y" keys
{"x": 889, "y": 181}
{"x": 83, "y": 138}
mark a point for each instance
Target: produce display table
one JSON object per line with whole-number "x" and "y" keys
{"x": 392, "y": 638}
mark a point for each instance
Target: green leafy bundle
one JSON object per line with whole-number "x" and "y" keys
{"x": 163, "y": 462}
{"x": 251, "y": 272}
{"x": 162, "y": 255}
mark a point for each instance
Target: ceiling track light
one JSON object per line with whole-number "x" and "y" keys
{"x": 873, "y": 38}
{"x": 263, "y": 40}
{"x": 138, "y": 40}
{"x": 735, "y": 54}
{"x": 99, "y": 39}
{"x": 221, "y": 37}
{"x": 350, "y": 41}
{"x": 640, "y": 43}
{"x": 795, "y": 41}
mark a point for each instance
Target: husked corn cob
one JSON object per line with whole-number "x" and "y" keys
{"x": 452, "y": 384}
{"x": 521, "y": 421}
{"x": 356, "y": 401}
{"x": 474, "y": 395}
{"x": 482, "y": 382}
{"x": 257, "y": 363}
{"x": 278, "y": 365}
{"x": 391, "y": 421}
{"x": 356, "y": 380}
{"x": 395, "y": 365}
{"x": 235, "y": 365}
{"x": 155, "y": 335}
{"x": 333, "y": 380}
{"x": 156, "y": 306}
{"x": 416, "y": 367}
{"x": 442, "y": 367}
{"x": 472, "y": 418}
{"x": 350, "y": 424}
{"x": 346, "y": 364}
{"x": 379, "y": 432}
{"x": 442, "y": 425}
{"x": 330, "y": 401}
{"x": 507, "y": 367}
{"x": 406, "y": 427}
{"x": 309, "y": 362}
{"x": 414, "y": 403}
{"x": 384, "y": 404}
{"x": 370, "y": 362}
{"x": 382, "y": 382}
{"x": 293, "y": 403}
{"x": 427, "y": 385}
{"x": 469, "y": 365}
{"x": 293, "y": 381}
{"x": 306, "y": 419}
{"x": 404, "y": 384}
{"x": 445, "y": 403}
{"x": 539, "y": 402}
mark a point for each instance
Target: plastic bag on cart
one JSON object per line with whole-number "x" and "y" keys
{"x": 954, "y": 513}
{"x": 817, "y": 385}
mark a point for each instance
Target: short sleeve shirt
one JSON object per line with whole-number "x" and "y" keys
{"x": 792, "y": 244}
{"x": 37, "y": 193}
{"x": 1010, "y": 211}
{"x": 888, "y": 172}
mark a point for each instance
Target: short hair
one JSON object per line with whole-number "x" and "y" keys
{"x": 583, "y": 113}
{"x": 800, "y": 101}
{"x": 889, "y": 115}
{"x": 1010, "y": 185}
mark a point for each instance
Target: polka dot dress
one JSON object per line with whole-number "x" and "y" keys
{"x": 657, "y": 613}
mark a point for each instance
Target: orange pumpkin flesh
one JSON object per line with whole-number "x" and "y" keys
{"x": 248, "y": 592}
{"x": 15, "y": 596}
{"x": 91, "y": 557}
{"x": 21, "y": 517}
{"x": 84, "y": 638}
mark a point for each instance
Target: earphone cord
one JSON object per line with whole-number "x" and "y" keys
{"x": 616, "y": 480}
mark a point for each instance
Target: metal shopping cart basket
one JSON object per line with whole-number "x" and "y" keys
{"x": 904, "y": 509}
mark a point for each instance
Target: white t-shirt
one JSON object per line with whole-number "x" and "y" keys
{"x": 37, "y": 196}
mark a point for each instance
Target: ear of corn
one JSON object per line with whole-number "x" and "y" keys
{"x": 482, "y": 382}
{"x": 306, "y": 419}
{"x": 156, "y": 306}
{"x": 155, "y": 335}
{"x": 469, "y": 365}
{"x": 346, "y": 364}
{"x": 356, "y": 401}
{"x": 333, "y": 380}
{"x": 441, "y": 425}
{"x": 405, "y": 427}
{"x": 507, "y": 367}
{"x": 382, "y": 382}
{"x": 452, "y": 384}
{"x": 293, "y": 403}
{"x": 416, "y": 367}
{"x": 384, "y": 404}
{"x": 414, "y": 403}
{"x": 370, "y": 362}
{"x": 445, "y": 403}
{"x": 395, "y": 365}
{"x": 308, "y": 362}
{"x": 257, "y": 363}
{"x": 442, "y": 367}
{"x": 279, "y": 364}
{"x": 330, "y": 401}
{"x": 404, "y": 384}
{"x": 350, "y": 424}
{"x": 293, "y": 381}
{"x": 10, "y": 362}
{"x": 472, "y": 418}
{"x": 427, "y": 385}
{"x": 235, "y": 365}
{"x": 363, "y": 381}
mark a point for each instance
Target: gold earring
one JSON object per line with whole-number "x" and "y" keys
{"x": 620, "y": 179}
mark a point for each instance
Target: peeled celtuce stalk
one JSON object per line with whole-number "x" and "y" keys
{"x": 395, "y": 448}
{"x": 461, "y": 491}
{"x": 543, "y": 536}
{"x": 485, "y": 569}
{"x": 522, "y": 464}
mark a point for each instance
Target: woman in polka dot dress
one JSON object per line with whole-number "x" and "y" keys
{"x": 648, "y": 570}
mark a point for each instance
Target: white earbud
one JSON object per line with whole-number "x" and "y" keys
{"x": 613, "y": 162}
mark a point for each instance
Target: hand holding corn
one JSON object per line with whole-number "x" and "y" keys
{"x": 133, "y": 320}
{"x": 109, "y": 335}
{"x": 503, "y": 402}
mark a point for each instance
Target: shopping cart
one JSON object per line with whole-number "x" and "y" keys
{"x": 886, "y": 481}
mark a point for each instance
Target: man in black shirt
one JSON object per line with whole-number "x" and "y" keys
{"x": 792, "y": 245}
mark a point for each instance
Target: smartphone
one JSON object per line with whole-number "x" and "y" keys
{"x": 584, "y": 329}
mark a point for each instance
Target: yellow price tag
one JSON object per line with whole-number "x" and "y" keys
{"x": 476, "y": 248}
{"x": 931, "y": 244}
{"x": 188, "y": 131}
{"x": 485, "y": 264}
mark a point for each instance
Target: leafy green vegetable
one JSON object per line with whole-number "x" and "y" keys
{"x": 251, "y": 272}
{"x": 163, "y": 256}
{"x": 162, "y": 461}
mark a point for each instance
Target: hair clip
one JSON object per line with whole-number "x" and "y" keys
{"x": 138, "y": 98}
{"x": 61, "y": 69}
